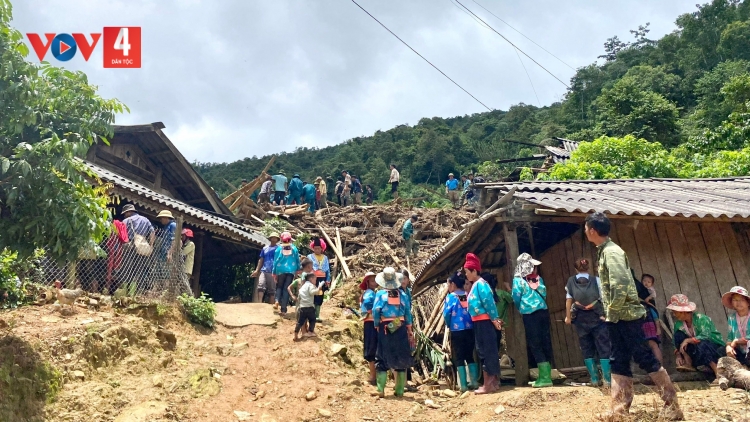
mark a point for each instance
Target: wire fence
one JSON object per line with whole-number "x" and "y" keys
{"x": 114, "y": 268}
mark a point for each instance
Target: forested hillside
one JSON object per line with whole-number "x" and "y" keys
{"x": 686, "y": 94}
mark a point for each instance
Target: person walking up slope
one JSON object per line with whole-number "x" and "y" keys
{"x": 285, "y": 264}
{"x": 625, "y": 316}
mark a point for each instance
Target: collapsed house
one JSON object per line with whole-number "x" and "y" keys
{"x": 142, "y": 167}
{"x": 692, "y": 235}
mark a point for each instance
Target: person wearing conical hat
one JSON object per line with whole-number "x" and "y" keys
{"x": 486, "y": 322}
{"x": 165, "y": 233}
{"x": 738, "y": 300}
{"x": 391, "y": 314}
{"x": 370, "y": 341}
{"x": 697, "y": 342}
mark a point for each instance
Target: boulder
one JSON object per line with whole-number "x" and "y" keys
{"x": 167, "y": 339}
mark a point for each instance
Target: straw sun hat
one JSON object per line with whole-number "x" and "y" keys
{"x": 389, "y": 279}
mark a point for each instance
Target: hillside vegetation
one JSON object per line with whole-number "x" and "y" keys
{"x": 683, "y": 99}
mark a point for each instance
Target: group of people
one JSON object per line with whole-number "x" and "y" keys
{"x": 614, "y": 314}
{"x": 464, "y": 191}
{"x": 283, "y": 278}
{"x": 139, "y": 254}
{"x": 348, "y": 190}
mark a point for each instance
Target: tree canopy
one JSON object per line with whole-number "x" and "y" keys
{"x": 682, "y": 97}
{"x": 48, "y": 117}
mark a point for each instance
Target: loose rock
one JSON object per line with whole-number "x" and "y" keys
{"x": 167, "y": 339}
{"x": 242, "y": 415}
{"x": 500, "y": 409}
{"x": 338, "y": 349}
{"x": 449, "y": 393}
{"x": 312, "y": 395}
{"x": 157, "y": 381}
{"x": 431, "y": 404}
{"x": 325, "y": 413}
{"x": 78, "y": 375}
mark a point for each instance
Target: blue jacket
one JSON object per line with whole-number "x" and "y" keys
{"x": 309, "y": 192}
{"x": 528, "y": 300}
{"x": 407, "y": 230}
{"x": 295, "y": 186}
{"x": 368, "y": 300}
{"x": 456, "y": 317}
{"x": 326, "y": 267}
{"x": 382, "y": 309}
{"x": 481, "y": 300}
{"x": 286, "y": 264}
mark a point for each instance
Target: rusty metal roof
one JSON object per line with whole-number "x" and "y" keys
{"x": 700, "y": 198}
{"x": 201, "y": 218}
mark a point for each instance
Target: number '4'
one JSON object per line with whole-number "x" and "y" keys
{"x": 121, "y": 43}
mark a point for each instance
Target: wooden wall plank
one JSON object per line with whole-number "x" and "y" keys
{"x": 648, "y": 256}
{"x": 550, "y": 266}
{"x": 628, "y": 244}
{"x": 683, "y": 264}
{"x": 710, "y": 295}
{"x": 717, "y": 252}
{"x": 667, "y": 269}
{"x": 578, "y": 250}
{"x": 736, "y": 255}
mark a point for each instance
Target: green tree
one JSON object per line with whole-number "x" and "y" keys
{"x": 49, "y": 117}
{"x": 627, "y": 108}
{"x": 735, "y": 41}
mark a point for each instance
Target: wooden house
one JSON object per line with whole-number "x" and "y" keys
{"x": 145, "y": 169}
{"x": 691, "y": 235}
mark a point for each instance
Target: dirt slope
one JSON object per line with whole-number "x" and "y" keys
{"x": 261, "y": 372}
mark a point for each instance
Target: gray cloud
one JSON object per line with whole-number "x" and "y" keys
{"x": 235, "y": 78}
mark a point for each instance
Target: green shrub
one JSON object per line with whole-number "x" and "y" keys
{"x": 16, "y": 278}
{"x": 200, "y": 310}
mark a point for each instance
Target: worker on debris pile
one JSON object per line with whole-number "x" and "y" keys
{"x": 391, "y": 314}
{"x": 322, "y": 269}
{"x": 583, "y": 309}
{"x": 407, "y": 232}
{"x": 309, "y": 192}
{"x": 369, "y": 194}
{"x": 285, "y": 265}
{"x": 370, "y": 341}
{"x": 393, "y": 180}
{"x": 530, "y": 297}
{"x": 356, "y": 191}
{"x": 280, "y": 185}
{"x": 451, "y": 189}
{"x": 295, "y": 190}
{"x": 266, "y": 285}
{"x": 486, "y": 322}
{"x": 265, "y": 191}
{"x": 346, "y": 192}
{"x": 322, "y": 192}
{"x": 458, "y": 321}
{"x": 625, "y": 316}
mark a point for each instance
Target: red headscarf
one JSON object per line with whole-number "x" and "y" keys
{"x": 472, "y": 263}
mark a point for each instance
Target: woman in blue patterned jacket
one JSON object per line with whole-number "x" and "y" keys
{"x": 391, "y": 314}
{"x": 458, "y": 321}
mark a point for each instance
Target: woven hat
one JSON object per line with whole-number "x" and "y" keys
{"x": 726, "y": 298}
{"x": 128, "y": 207}
{"x": 450, "y": 174}
{"x": 318, "y": 178}
{"x": 389, "y": 279}
{"x": 525, "y": 265}
{"x": 276, "y": 235}
{"x": 680, "y": 303}
{"x": 165, "y": 213}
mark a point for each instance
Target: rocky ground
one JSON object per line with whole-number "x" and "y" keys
{"x": 117, "y": 365}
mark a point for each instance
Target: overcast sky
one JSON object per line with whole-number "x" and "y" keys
{"x": 233, "y": 79}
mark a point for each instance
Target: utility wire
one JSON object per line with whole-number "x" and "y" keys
{"x": 423, "y": 58}
{"x": 514, "y": 46}
{"x": 516, "y": 50}
{"x": 523, "y": 35}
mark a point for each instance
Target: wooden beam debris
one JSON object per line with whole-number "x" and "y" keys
{"x": 339, "y": 254}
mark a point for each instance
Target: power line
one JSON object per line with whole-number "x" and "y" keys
{"x": 514, "y": 46}
{"x": 522, "y": 34}
{"x": 423, "y": 58}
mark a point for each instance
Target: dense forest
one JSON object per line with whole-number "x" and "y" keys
{"x": 676, "y": 106}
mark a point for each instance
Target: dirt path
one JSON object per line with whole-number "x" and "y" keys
{"x": 260, "y": 371}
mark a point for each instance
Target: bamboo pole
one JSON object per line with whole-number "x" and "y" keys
{"x": 338, "y": 253}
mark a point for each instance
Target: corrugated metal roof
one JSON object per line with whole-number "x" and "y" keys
{"x": 659, "y": 197}
{"x": 561, "y": 153}
{"x": 210, "y": 221}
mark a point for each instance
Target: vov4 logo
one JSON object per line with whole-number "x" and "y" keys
{"x": 122, "y": 46}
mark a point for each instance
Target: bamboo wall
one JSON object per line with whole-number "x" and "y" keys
{"x": 701, "y": 260}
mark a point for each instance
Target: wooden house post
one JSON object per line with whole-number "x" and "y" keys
{"x": 195, "y": 284}
{"x": 516, "y": 333}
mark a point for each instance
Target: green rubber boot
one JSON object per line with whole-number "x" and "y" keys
{"x": 317, "y": 314}
{"x": 400, "y": 383}
{"x": 593, "y": 371}
{"x": 606, "y": 372}
{"x": 381, "y": 378}
{"x": 474, "y": 374}
{"x": 461, "y": 371}
{"x": 545, "y": 375}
